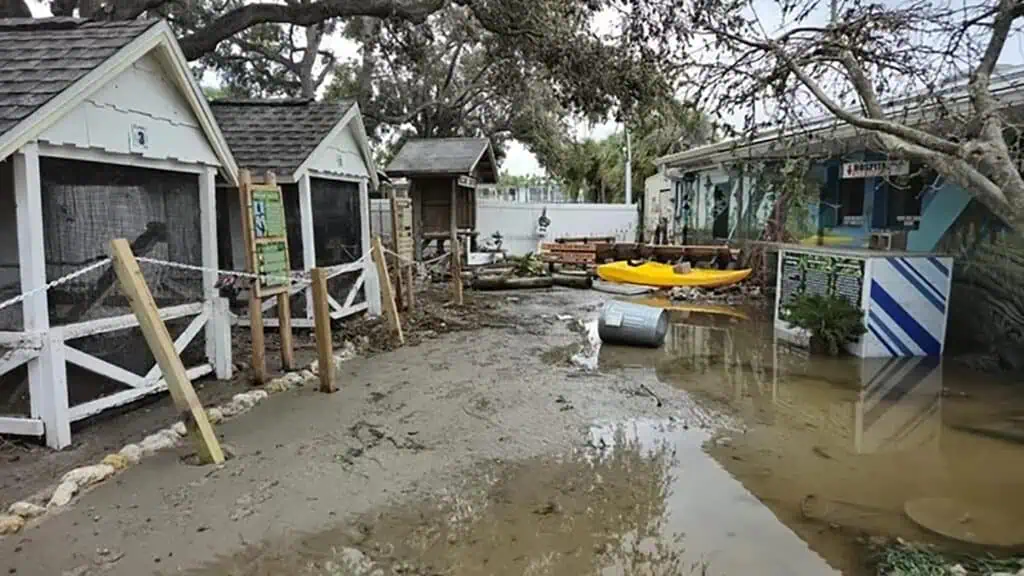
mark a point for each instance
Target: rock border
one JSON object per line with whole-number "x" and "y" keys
{"x": 77, "y": 480}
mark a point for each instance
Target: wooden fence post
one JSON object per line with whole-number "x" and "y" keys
{"x": 284, "y": 309}
{"x": 322, "y": 320}
{"x": 133, "y": 284}
{"x": 259, "y": 348}
{"x": 400, "y": 290}
{"x": 387, "y": 296}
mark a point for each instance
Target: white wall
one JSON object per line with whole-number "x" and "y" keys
{"x": 143, "y": 95}
{"x": 341, "y": 156}
{"x": 518, "y": 222}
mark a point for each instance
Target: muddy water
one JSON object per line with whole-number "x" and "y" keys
{"x": 794, "y": 462}
{"x": 836, "y": 447}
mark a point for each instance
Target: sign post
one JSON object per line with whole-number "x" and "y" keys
{"x": 266, "y": 232}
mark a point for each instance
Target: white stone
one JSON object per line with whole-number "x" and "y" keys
{"x": 259, "y": 396}
{"x": 242, "y": 402}
{"x": 10, "y": 524}
{"x": 132, "y": 453}
{"x": 63, "y": 494}
{"x": 214, "y": 415}
{"x": 294, "y": 378}
{"x": 180, "y": 429}
{"x": 155, "y": 443}
{"x": 306, "y": 374}
{"x": 87, "y": 475}
{"x": 957, "y": 570}
{"x": 26, "y": 509}
{"x": 355, "y": 561}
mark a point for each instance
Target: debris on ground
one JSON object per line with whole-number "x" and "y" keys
{"x": 433, "y": 316}
{"x": 733, "y": 294}
{"x": 901, "y": 558}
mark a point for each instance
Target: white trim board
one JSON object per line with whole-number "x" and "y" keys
{"x": 160, "y": 38}
{"x": 104, "y": 157}
{"x": 352, "y": 115}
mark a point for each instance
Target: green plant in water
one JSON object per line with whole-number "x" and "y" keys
{"x": 832, "y": 321}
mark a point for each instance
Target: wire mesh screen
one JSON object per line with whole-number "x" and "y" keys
{"x": 10, "y": 271}
{"x": 86, "y": 205}
{"x": 337, "y": 231}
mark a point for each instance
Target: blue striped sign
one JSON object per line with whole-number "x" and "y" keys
{"x": 908, "y": 303}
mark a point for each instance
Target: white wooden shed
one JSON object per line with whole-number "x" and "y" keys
{"x": 104, "y": 133}
{"x": 321, "y": 157}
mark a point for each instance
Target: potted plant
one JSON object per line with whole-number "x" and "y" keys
{"x": 831, "y": 321}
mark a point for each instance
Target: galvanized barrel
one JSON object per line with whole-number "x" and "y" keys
{"x": 633, "y": 324}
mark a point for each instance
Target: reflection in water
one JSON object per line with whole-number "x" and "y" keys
{"x": 837, "y": 446}
{"x": 602, "y": 510}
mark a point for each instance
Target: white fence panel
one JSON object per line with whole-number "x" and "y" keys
{"x": 517, "y": 223}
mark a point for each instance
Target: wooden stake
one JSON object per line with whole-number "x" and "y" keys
{"x": 456, "y": 261}
{"x": 259, "y": 362}
{"x": 456, "y": 273}
{"x": 133, "y": 284}
{"x": 400, "y": 290}
{"x": 386, "y": 295}
{"x": 322, "y": 319}
{"x": 284, "y": 309}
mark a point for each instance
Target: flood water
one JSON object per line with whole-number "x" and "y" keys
{"x": 800, "y": 460}
{"x": 833, "y": 449}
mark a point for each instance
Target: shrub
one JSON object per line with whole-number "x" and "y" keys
{"x": 831, "y": 320}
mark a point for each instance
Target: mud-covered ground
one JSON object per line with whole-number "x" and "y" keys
{"x": 406, "y": 424}
{"x": 26, "y": 466}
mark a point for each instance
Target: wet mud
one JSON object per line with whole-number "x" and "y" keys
{"x": 723, "y": 452}
{"x": 790, "y": 464}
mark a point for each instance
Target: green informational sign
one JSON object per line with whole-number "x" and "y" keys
{"x": 272, "y": 263}
{"x": 821, "y": 274}
{"x": 268, "y": 213}
{"x": 269, "y": 240}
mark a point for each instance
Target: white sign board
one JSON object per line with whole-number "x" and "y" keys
{"x": 467, "y": 181}
{"x": 875, "y": 169}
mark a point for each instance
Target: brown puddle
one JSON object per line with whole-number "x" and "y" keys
{"x": 836, "y": 448}
{"x": 821, "y": 453}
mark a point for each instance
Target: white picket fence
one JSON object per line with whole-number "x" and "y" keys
{"x": 517, "y": 223}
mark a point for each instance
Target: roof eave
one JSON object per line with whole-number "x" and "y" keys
{"x": 353, "y": 114}
{"x": 158, "y": 36}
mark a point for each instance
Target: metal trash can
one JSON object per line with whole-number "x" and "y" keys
{"x": 632, "y": 324}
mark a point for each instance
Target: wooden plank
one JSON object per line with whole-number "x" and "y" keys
{"x": 399, "y": 289}
{"x": 183, "y": 340}
{"x": 257, "y": 337}
{"x": 21, "y": 426}
{"x": 456, "y": 260}
{"x": 102, "y": 367}
{"x": 387, "y": 296}
{"x": 104, "y": 325}
{"x": 22, "y": 339}
{"x": 284, "y": 319}
{"x": 133, "y": 284}
{"x": 47, "y": 374}
{"x": 322, "y": 320}
{"x": 94, "y": 407}
{"x": 16, "y": 357}
{"x": 355, "y": 290}
{"x": 259, "y": 363}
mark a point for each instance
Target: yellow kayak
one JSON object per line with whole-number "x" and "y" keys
{"x": 663, "y": 276}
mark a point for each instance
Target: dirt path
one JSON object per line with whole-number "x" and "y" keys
{"x": 406, "y": 423}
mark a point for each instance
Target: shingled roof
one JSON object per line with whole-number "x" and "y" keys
{"x": 440, "y": 156}
{"x": 43, "y": 57}
{"x": 276, "y": 135}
